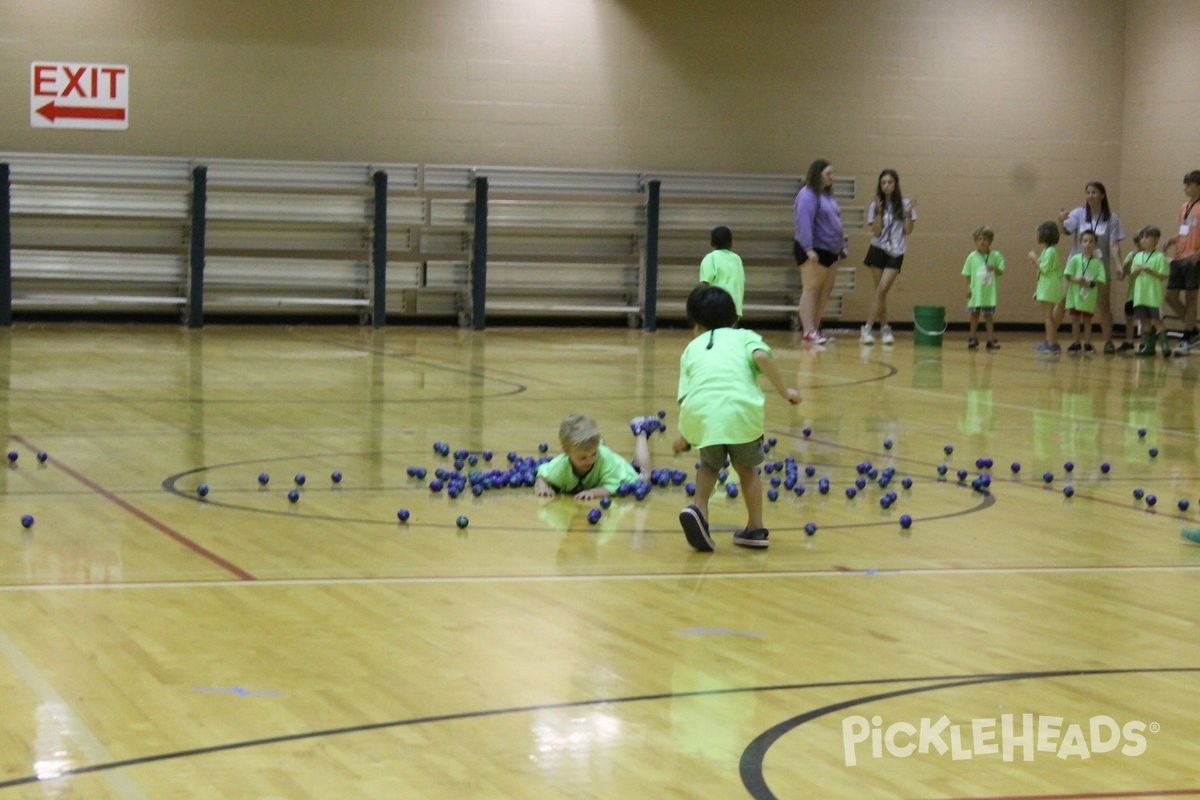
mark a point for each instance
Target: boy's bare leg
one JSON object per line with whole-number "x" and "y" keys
{"x": 641, "y": 454}
{"x": 706, "y": 481}
{"x": 752, "y": 493}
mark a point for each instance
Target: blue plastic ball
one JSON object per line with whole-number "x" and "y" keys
{"x": 851, "y": 492}
{"x": 487, "y": 455}
{"x": 1016, "y": 467}
{"x": 27, "y": 521}
{"x": 300, "y": 479}
{"x": 1048, "y": 477}
{"x": 1184, "y": 505}
{"x": 722, "y": 476}
{"x": 906, "y": 483}
{"x": 905, "y": 521}
{"x": 336, "y": 477}
{"x": 202, "y": 490}
{"x": 605, "y": 502}
{"x": 41, "y": 456}
{"x": 807, "y": 432}
{"x": 462, "y": 522}
{"x": 962, "y": 474}
{"x": 1068, "y": 490}
{"x": 772, "y": 441}
{"x": 1154, "y": 452}
{"x": 690, "y": 488}
{"x": 948, "y": 449}
{"x": 942, "y": 469}
{"x": 887, "y": 444}
{"x": 1105, "y": 467}
{"x": 1069, "y": 466}
{"x": 543, "y": 447}
{"x": 263, "y": 478}
{"x": 799, "y": 490}
{"x": 1141, "y": 433}
{"x": 1138, "y": 494}
{"x": 293, "y": 495}
{"x": 810, "y": 470}
{"x": 594, "y": 515}
{"x": 772, "y": 495}
{"x": 861, "y": 483}
{"x": 810, "y": 528}
{"x": 402, "y": 515}
{"x": 1151, "y": 499}
{"x": 436, "y": 485}
{"x": 731, "y": 489}
{"x": 12, "y": 455}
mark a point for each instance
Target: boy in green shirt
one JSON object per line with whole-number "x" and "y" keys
{"x": 723, "y": 267}
{"x": 983, "y": 269}
{"x": 1149, "y": 271}
{"x": 1084, "y": 272}
{"x": 721, "y": 411}
{"x": 586, "y": 468}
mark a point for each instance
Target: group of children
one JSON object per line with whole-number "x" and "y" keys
{"x": 721, "y": 411}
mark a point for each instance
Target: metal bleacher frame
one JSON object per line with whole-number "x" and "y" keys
{"x": 99, "y": 234}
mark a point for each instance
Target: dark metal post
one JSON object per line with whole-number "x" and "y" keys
{"x": 195, "y": 298}
{"x": 479, "y": 257}
{"x": 6, "y": 293}
{"x": 379, "y": 252}
{"x": 650, "y": 293}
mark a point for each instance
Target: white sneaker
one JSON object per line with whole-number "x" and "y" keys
{"x": 866, "y": 337}
{"x": 1181, "y": 349}
{"x": 886, "y": 335}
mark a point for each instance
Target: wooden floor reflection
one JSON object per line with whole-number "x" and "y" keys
{"x": 1014, "y": 642}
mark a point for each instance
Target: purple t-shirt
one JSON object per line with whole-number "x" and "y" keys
{"x": 818, "y": 222}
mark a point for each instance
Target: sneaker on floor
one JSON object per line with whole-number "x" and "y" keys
{"x": 993, "y": 344}
{"x": 824, "y": 335}
{"x": 1044, "y": 347}
{"x": 866, "y": 337}
{"x": 695, "y": 528}
{"x": 1125, "y": 346}
{"x": 972, "y": 343}
{"x": 1056, "y": 349}
{"x": 1181, "y": 349}
{"x": 1088, "y": 350}
{"x": 1075, "y": 348}
{"x": 814, "y": 337}
{"x": 1109, "y": 348}
{"x": 755, "y": 538}
{"x": 885, "y": 335}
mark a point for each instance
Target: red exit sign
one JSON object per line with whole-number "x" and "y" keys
{"x": 65, "y": 95}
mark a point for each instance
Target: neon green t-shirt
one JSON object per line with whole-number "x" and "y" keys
{"x": 985, "y": 284}
{"x": 1083, "y": 298}
{"x": 723, "y": 268}
{"x": 720, "y": 401}
{"x": 1148, "y": 290}
{"x": 609, "y": 471}
{"x": 1050, "y": 277}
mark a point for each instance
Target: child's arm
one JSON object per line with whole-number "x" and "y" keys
{"x": 543, "y": 489}
{"x": 767, "y": 365}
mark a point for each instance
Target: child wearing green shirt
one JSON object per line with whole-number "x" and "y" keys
{"x": 983, "y": 269}
{"x": 721, "y": 411}
{"x": 586, "y": 468}
{"x": 1149, "y": 271}
{"x": 1050, "y": 284}
{"x": 723, "y": 267}
{"x": 1084, "y": 272}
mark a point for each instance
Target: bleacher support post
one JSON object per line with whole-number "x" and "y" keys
{"x": 6, "y": 293}
{"x": 479, "y": 257}
{"x": 650, "y": 290}
{"x": 379, "y": 252}
{"x": 195, "y": 298}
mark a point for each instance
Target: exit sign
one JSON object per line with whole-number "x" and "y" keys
{"x": 64, "y": 95}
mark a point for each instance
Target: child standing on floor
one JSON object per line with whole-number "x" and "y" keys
{"x": 983, "y": 269}
{"x": 721, "y": 411}
{"x": 723, "y": 267}
{"x": 1128, "y": 343}
{"x": 1084, "y": 272}
{"x": 1050, "y": 284}
{"x": 586, "y": 468}
{"x": 1149, "y": 271}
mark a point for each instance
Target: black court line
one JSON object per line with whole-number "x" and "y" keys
{"x": 751, "y": 766}
{"x": 751, "y": 758}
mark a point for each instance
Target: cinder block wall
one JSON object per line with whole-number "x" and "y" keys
{"x": 993, "y": 111}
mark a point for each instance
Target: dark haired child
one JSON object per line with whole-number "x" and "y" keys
{"x": 1050, "y": 284}
{"x": 723, "y": 267}
{"x": 721, "y": 411}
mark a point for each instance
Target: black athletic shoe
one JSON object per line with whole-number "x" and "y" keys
{"x": 755, "y": 538}
{"x": 695, "y": 528}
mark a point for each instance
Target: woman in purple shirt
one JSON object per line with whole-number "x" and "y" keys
{"x": 819, "y": 245}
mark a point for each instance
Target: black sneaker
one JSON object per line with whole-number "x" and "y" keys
{"x": 1125, "y": 346}
{"x": 695, "y": 528}
{"x": 1088, "y": 350}
{"x": 1109, "y": 348}
{"x": 755, "y": 538}
{"x": 1074, "y": 348}
{"x": 993, "y": 344}
{"x": 972, "y": 343}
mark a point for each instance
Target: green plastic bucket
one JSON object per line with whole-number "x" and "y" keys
{"x": 929, "y": 323}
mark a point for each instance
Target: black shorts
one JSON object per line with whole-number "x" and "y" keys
{"x": 826, "y": 258}
{"x": 1184, "y": 276}
{"x": 878, "y": 258}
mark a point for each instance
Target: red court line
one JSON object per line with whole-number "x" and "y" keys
{"x": 1093, "y": 795}
{"x": 142, "y": 515}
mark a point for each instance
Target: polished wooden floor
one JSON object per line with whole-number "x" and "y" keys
{"x": 156, "y": 644}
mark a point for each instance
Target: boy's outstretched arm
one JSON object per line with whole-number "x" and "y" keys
{"x": 543, "y": 489}
{"x": 767, "y": 365}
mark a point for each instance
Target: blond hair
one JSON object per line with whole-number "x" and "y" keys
{"x": 578, "y": 430}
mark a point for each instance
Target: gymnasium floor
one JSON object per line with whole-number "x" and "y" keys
{"x": 1013, "y": 643}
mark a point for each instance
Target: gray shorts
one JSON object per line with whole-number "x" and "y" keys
{"x": 987, "y": 311}
{"x": 749, "y": 454}
{"x": 1147, "y": 312}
